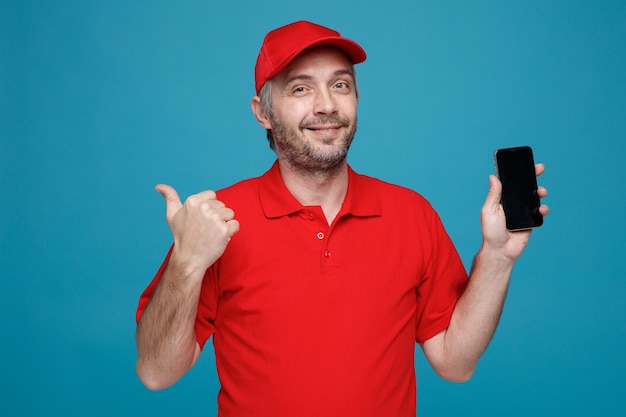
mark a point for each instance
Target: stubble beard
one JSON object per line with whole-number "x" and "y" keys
{"x": 307, "y": 157}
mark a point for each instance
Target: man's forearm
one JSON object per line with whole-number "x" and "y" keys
{"x": 166, "y": 342}
{"x": 478, "y": 311}
{"x": 455, "y": 352}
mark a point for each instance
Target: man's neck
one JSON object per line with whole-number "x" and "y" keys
{"x": 324, "y": 188}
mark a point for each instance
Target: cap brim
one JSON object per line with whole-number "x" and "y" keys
{"x": 352, "y": 49}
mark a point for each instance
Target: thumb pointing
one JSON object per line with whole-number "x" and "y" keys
{"x": 172, "y": 200}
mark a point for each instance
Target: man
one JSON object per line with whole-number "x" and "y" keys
{"x": 315, "y": 281}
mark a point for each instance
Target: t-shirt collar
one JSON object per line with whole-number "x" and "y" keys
{"x": 361, "y": 200}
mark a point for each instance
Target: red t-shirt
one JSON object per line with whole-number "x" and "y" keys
{"x": 316, "y": 320}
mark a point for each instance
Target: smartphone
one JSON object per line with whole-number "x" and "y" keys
{"x": 516, "y": 169}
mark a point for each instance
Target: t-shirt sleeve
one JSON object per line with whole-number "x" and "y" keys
{"x": 441, "y": 286}
{"x": 207, "y": 305}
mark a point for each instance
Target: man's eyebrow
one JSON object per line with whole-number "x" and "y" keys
{"x": 298, "y": 77}
{"x": 305, "y": 77}
{"x": 345, "y": 72}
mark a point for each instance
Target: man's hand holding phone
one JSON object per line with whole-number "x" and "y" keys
{"x": 509, "y": 233}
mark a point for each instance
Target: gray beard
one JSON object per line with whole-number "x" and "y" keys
{"x": 303, "y": 156}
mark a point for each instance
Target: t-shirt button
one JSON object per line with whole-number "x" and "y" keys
{"x": 327, "y": 254}
{"x": 320, "y": 235}
{"x": 311, "y": 216}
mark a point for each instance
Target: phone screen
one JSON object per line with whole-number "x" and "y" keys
{"x": 516, "y": 169}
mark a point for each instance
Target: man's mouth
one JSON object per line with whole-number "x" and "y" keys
{"x": 323, "y": 128}
{"x": 326, "y": 124}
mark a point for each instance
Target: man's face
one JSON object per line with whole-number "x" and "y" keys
{"x": 314, "y": 105}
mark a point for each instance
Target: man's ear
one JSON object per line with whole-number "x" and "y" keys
{"x": 260, "y": 113}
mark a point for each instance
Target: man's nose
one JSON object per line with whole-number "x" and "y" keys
{"x": 325, "y": 103}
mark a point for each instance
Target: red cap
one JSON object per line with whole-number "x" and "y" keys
{"x": 282, "y": 45}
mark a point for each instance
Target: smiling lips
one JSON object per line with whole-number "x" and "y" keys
{"x": 331, "y": 123}
{"x": 323, "y": 128}
{"x": 325, "y": 132}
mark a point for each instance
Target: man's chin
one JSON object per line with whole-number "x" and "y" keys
{"x": 328, "y": 158}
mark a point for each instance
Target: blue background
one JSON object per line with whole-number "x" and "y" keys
{"x": 101, "y": 100}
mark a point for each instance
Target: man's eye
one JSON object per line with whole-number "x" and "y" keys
{"x": 341, "y": 85}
